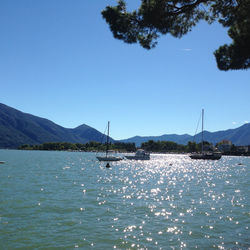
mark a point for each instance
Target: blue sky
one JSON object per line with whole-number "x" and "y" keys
{"x": 59, "y": 60}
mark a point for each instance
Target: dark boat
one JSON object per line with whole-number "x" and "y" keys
{"x": 107, "y": 157}
{"x": 204, "y": 155}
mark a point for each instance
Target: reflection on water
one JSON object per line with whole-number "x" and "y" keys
{"x": 70, "y": 200}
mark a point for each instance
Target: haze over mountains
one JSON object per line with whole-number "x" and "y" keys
{"x": 18, "y": 128}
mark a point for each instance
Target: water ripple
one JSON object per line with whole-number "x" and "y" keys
{"x": 70, "y": 200}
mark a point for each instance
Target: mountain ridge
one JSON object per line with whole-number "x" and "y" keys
{"x": 18, "y": 128}
{"x": 239, "y": 136}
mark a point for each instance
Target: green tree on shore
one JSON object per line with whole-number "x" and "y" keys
{"x": 89, "y": 146}
{"x": 192, "y": 147}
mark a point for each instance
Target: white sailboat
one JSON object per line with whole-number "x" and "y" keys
{"x": 108, "y": 157}
{"x": 203, "y": 155}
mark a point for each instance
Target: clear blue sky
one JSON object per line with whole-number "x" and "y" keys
{"x": 59, "y": 60}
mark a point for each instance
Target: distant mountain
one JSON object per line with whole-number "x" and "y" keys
{"x": 180, "y": 139}
{"x": 18, "y": 128}
{"x": 239, "y": 136}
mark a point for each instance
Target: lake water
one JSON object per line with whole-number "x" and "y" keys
{"x": 67, "y": 200}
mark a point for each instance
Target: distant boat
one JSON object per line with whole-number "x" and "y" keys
{"x": 139, "y": 155}
{"x": 2, "y": 162}
{"x": 205, "y": 155}
{"x": 108, "y": 157}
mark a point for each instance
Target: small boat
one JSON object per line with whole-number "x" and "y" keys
{"x": 107, "y": 157}
{"x": 2, "y": 162}
{"x": 206, "y": 156}
{"x": 139, "y": 155}
{"x": 203, "y": 155}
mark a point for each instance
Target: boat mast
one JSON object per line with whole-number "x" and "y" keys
{"x": 202, "y": 130}
{"x": 107, "y": 146}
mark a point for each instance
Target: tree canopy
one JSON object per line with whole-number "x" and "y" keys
{"x": 177, "y": 17}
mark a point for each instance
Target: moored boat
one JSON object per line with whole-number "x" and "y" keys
{"x": 204, "y": 155}
{"x": 139, "y": 155}
{"x": 107, "y": 157}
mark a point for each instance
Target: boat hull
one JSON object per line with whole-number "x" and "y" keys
{"x": 108, "y": 158}
{"x": 132, "y": 157}
{"x": 205, "y": 156}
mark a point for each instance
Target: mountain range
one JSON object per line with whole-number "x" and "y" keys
{"x": 239, "y": 137}
{"x": 18, "y": 128}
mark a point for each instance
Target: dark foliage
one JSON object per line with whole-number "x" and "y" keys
{"x": 89, "y": 146}
{"x": 160, "y": 17}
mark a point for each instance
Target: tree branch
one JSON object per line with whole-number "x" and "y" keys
{"x": 183, "y": 9}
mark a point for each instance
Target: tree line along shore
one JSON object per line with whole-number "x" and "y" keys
{"x": 150, "y": 146}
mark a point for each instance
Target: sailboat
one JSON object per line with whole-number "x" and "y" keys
{"x": 203, "y": 155}
{"x": 108, "y": 157}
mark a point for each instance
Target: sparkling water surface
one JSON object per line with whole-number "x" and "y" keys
{"x": 67, "y": 200}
